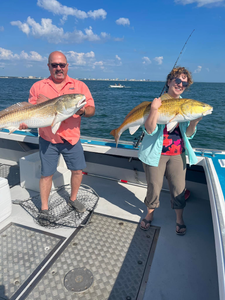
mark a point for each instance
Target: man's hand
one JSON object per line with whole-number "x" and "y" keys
{"x": 23, "y": 126}
{"x": 89, "y": 111}
{"x": 80, "y": 111}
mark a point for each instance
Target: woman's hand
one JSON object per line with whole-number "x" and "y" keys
{"x": 195, "y": 122}
{"x": 191, "y": 128}
{"x": 151, "y": 121}
{"x": 156, "y": 103}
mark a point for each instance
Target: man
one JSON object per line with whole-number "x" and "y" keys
{"x": 67, "y": 139}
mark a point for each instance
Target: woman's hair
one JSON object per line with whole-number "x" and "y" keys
{"x": 176, "y": 72}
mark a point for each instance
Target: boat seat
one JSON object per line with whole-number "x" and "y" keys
{"x": 30, "y": 172}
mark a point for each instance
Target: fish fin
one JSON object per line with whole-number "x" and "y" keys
{"x": 11, "y": 129}
{"x": 133, "y": 129}
{"x": 165, "y": 97}
{"x": 171, "y": 126}
{"x": 41, "y": 98}
{"x": 14, "y": 107}
{"x": 55, "y": 127}
{"x": 115, "y": 133}
{"x": 139, "y": 106}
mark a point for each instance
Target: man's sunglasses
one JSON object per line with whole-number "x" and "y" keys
{"x": 54, "y": 65}
{"x": 184, "y": 83}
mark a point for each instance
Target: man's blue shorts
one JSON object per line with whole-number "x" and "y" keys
{"x": 49, "y": 154}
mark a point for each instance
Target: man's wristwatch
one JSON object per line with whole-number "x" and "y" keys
{"x": 83, "y": 114}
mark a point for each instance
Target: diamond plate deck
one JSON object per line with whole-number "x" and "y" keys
{"x": 118, "y": 254}
{"x": 23, "y": 252}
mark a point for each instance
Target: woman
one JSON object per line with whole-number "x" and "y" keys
{"x": 164, "y": 152}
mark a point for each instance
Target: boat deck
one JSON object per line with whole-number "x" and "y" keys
{"x": 183, "y": 267}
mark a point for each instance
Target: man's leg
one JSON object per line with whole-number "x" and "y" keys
{"x": 75, "y": 161}
{"x": 45, "y": 185}
{"x": 76, "y": 179}
{"x": 49, "y": 155}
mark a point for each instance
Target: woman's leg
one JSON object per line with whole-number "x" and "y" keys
{"x": 175, "y": 174}
{"x": 154, "y": 178}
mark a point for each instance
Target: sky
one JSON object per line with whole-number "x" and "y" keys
{"x": 114, "y": 39}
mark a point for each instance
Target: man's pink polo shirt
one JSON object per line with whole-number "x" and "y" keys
{"x": 69, "y": 128}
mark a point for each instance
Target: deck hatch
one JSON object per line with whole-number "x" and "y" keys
{"x": 118, "y": 254}
{"x": 24, "y": 250}
{"x": 11, "y": 173}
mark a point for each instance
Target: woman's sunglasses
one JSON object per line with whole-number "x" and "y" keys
{"x": 184, "y": 83}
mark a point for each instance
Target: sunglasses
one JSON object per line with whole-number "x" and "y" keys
{"x": 54, "y": 65}
{"x": 184, "y": 83}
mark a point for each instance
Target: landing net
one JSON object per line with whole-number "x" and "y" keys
{"x": 60, "y": 213}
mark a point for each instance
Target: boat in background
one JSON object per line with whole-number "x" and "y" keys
{"x": 188, "y": 267}
{"x": 117, "y": 86}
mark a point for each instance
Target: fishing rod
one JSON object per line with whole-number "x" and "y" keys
{"x": 142, "y": 135}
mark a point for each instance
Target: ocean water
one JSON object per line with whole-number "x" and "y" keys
{"x": 112, "y": 105}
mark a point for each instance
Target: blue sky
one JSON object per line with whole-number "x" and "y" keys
{"x": 114, "y": 39}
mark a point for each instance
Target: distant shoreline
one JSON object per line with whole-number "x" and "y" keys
{"x": 90, "y": 79}
{"x": 93, "y": 79}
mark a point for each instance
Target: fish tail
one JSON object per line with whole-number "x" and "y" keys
{"x": 115, "y": 133}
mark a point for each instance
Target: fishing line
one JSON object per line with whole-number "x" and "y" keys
{"x": 142, "y": 135}
{"x": 178, "y": 58}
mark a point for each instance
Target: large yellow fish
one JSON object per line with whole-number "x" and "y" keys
{"x": 171, "y": 112}
{"x": 48, "y": 113}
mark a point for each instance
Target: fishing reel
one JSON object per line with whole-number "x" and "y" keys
{"x": 138, "y": 140}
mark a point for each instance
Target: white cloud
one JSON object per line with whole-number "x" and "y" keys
{"x": 159, "y": 60}
{"x": 198, "y": 70}
{"x": 99, "y": 13}
{"x": 90, "y": 54}
{"x": 22, "y": 26}
{"x": 54, "y": 34}
{"x": 88, "y": 60}
{"x": 90, "y": 36}
{"x": 1, "y": 28}
{"x": 146, "y": 60}
{"x": 105, "y": 35}
{"x": 201, "y": 2}
{"x": 99, "y": 64}
{"x": 34, "y": 56}
{"x": 123, "y": 21}
{"x": 8, "y": 55}
{"x": 80, "y": 59}
{"x": 57, "y": 8}
{"x": 207, "y": 69}
{"x": 118, "y": 39}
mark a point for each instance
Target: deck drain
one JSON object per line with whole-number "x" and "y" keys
{"x": 78, "y": 280}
